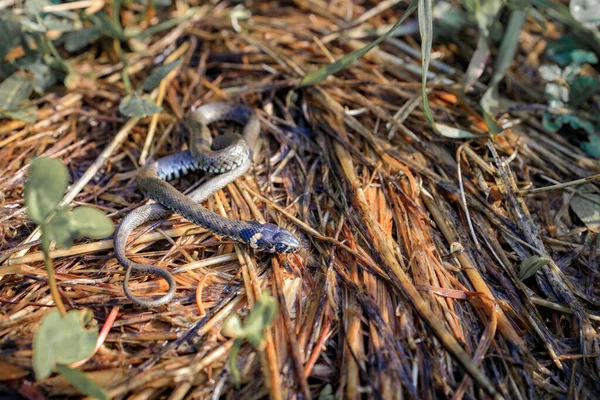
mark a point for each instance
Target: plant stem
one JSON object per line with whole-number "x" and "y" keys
{"x": 51, "y": 278}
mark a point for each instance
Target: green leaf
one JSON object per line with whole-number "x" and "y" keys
{"x": 531, "y": 265}
{"x": 90, "y": 222}
{"x": 34, "y": 7}
{"x": 82, "y": 382}
{"x": 102, "y": 21}
{"x": 579, "y": 57}
{"x": 11, "y": 34}
{"x": 455, "y": 133}
{"x": 135, "y": 106}
{"x": 592, "y": 147}
{"x": 555, "y": 122}
{"x": 44, "y": 188}
{"x": 582, "y": 88}
{"x": 31, "y": 26}
{"x": 232, "y": 327}
{"x": 59, "y": 229}
{"x": 66, "y": 226}
{"x": 587, "y": 210}
{"x": 235, "y": 372}
{"x": 312, "y": 78}
{"x": 260, "y": 317}
{"x": 53, "y": 23}
{"x": 26, "y": 114}
{"x": 327, "y": 393}
{"x": 43, "y": 76}
{"x": 62, "y": 340}
{"x": 156, "y": 76}
{"x": 77, "y": 40}
{"x": 426, "y": 31}
{"x": 14, "y": 90}
{"x": 561, "y": 13}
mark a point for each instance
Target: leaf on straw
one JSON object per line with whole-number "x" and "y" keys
{"x": 62, "y": 340}
{"x": 26, "y": 114}
{"x": 82, "y": 382}
{"x": 455, "y": 133}
{"x": 587, "y": 210}
{"x": 312, "y": 78}
{"x": 530, "y": 266}
{"x": 134, "y": 105}
{"x": 156, "y": 76}
{"x": 44, "y": 188}
{"x": 14, "y": 90}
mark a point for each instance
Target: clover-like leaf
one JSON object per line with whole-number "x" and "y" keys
{"x": 134, "y": 105}
{"x": 90, "y": 222}
{"x": 156, "y": 76}
{"x": 68, "y": 226}
{"x": 232, "y": 327}
{"x": 60, "y": 230}
{"x": 531, "y": 265}
{"x": 62, "y": 340}
{"x": 82, "y": 382}
{"x": 44, "y": 188}
{"x": 14, "y": 90}
{"x": 260, "y": 317}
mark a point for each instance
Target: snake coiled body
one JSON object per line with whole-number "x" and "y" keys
{"x": 229, "y": 157}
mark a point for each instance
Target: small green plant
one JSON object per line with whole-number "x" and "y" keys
{"x": 62, "y": 338}
{"x": 41, "y": 29}
{"x": 259, "y": 318}
{"x": 567, "y": 88}
{"x": 486, "y": 14}
{"x": 531, "y": 265}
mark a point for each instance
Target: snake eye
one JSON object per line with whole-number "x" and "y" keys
{"x": 280, "y": 247}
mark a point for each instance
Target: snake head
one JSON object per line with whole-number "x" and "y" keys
{"x": 273, "y": 239}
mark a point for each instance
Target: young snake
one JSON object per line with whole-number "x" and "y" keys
{"x": 229, "y": 156}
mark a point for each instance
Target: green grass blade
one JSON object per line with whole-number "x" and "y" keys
{"x": 82, "y": 382}
{"x": 312, "y": 78}
{"x": 426, "y": 30}
{"x": 506, "y": 54}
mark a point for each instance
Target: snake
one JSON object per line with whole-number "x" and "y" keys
{"x": 228, "y": 157}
